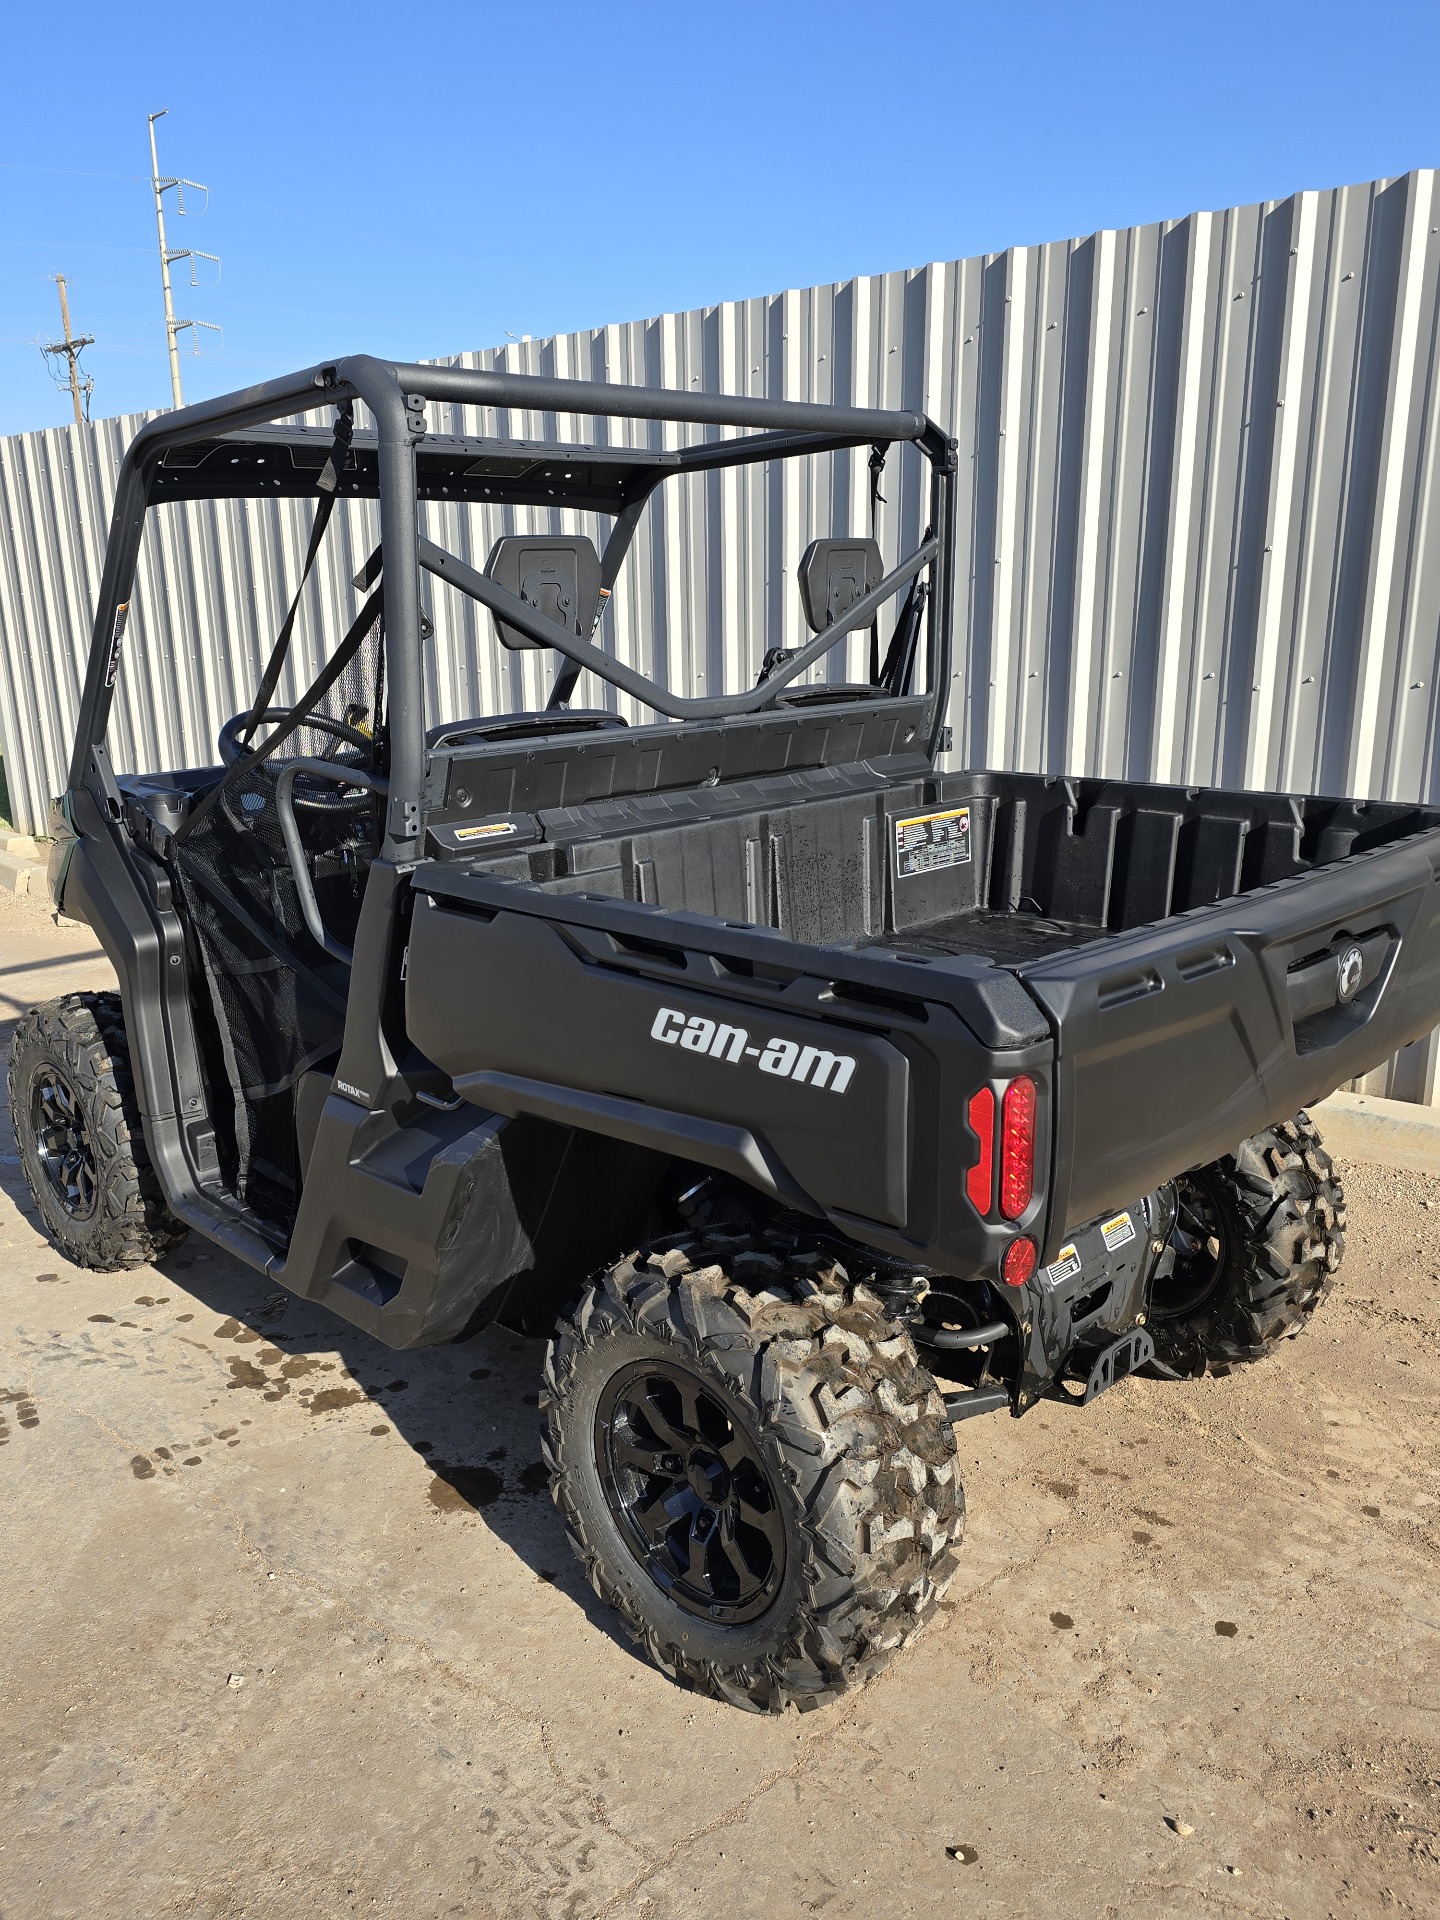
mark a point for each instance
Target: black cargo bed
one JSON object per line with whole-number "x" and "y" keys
{"x": 1011, "y": 936}
{"x": 1184, "y": 948}
{"x": 1023, "y": 866}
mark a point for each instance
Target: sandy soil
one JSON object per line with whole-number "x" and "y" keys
{"x": 291, "y": 1628}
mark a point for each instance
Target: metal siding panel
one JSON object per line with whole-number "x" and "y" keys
{"x": 1191, "y": 245}
{"x": 1199, "y": 476}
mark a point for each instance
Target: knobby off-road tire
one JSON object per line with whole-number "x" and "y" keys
{"x": 1275, "y": 1215}
{"x": 79, "y": 1136}
{"x": 801, "y": 1393}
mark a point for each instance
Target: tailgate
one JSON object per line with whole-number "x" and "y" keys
{"x": 1176, "y": 1041}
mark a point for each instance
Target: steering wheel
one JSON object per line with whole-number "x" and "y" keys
{"x": 311, "y": 792}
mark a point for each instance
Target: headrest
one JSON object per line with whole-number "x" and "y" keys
{"x": 834, "y": 574}
{"x": 556, "y": 573}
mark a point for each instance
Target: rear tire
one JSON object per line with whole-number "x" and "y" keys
{"x": 754, "y": 1469}
{"x": 79, "y": 1135}
{"x": 1260, "y": 1236}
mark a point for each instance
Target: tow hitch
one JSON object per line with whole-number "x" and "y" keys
{"x": 1128, "y": 1354}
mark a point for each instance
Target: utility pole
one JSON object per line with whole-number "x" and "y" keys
{"x": 174, "y": 327}
{"x": 69, "y": 349}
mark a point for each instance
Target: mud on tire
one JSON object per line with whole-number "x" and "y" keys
{"x": 79, "y": 1136}
{"x": 1277, "y": 1212}
{"x": 814, "y": 1385}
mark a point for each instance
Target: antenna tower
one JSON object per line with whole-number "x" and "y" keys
{"x": 173, "y": 327}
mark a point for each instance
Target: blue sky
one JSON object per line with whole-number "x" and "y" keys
{"x": 412, "y": 181}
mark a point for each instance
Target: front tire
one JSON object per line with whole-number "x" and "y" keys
{"x": 754, "y": 1469}
{"x": 1258, "y": 1240}
{"x": 79, "y": 1135}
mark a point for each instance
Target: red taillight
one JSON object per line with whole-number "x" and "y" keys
{"x": 1017, "y": 1148}
{"x": 1019, "y": 1262}
{"x": 980, "y": 1180}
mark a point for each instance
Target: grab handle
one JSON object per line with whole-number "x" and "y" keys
{"x": 344, "y": 776}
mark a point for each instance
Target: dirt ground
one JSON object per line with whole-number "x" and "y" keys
{"x": 290, "y": 1628}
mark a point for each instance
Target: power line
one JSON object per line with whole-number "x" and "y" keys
{"x": 74, "y": 173}
{"x": 69, "y": 349}
{"x": 173, "y": 327}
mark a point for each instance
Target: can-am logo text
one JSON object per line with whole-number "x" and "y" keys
{"x": 786, "y": 1059}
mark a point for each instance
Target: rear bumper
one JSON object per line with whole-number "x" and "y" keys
{"x": 1175, "y": 1041}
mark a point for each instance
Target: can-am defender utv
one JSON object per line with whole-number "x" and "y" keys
{"x": 767, "y": 1067}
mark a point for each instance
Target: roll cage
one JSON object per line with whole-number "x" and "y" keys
{"x": 230, "y": 448}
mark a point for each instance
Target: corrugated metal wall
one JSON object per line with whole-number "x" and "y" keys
{"x": 1198, "y": 479}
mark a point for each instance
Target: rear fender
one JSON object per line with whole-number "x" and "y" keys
{"x": 842, "y": 1101}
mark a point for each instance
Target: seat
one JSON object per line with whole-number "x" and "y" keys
{"x": 834, "y": 574}
{"x": 556, "y": 573}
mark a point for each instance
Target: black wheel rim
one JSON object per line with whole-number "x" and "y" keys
{"x": 1199, "y": 1245}
{"x": 693, "y": 1498}
{"x": 62, "y": 1143}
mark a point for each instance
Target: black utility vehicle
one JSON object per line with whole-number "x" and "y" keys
{"x": 767, "y": 1068}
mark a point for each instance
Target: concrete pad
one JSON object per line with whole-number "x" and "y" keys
{"x": 291, "y": 1629}
{"x": 1388, "y": 1133}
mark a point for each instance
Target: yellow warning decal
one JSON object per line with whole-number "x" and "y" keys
{"x": 1115, "y": 1233}
{"x": 926, "y": 841}
{"x": 487, "y": 832}
{"x": 1066, "y": 1264}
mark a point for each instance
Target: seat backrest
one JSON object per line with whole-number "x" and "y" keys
{"x": 556, "y": 573}
{"x": 834, "y": 574}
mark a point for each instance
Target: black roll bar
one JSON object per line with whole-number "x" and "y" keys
{"x": 361, "y": 377}
{"x": 533, "y": 392}
{"x": 396, "y": 392}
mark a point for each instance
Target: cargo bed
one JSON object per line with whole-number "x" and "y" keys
{"x": 1182, "y": 948}
{"x": 1025, "y": 866}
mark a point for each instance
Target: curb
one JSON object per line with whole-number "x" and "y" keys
{"x": 1392, "y": 1133}
{"x": 21, "y": 873}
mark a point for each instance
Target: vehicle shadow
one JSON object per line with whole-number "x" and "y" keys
{"x": 469, "y": 1410}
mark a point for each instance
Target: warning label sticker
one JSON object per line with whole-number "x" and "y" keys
{"x": 117, "y": 640}
{"x": 1066, "y": 1264}
{"x": 487, "y": 832}
{"x": 929, "y": 840}
{"x": 1115, "y": 1233}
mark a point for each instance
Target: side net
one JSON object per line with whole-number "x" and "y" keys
{"x": 273, "y": 1002}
